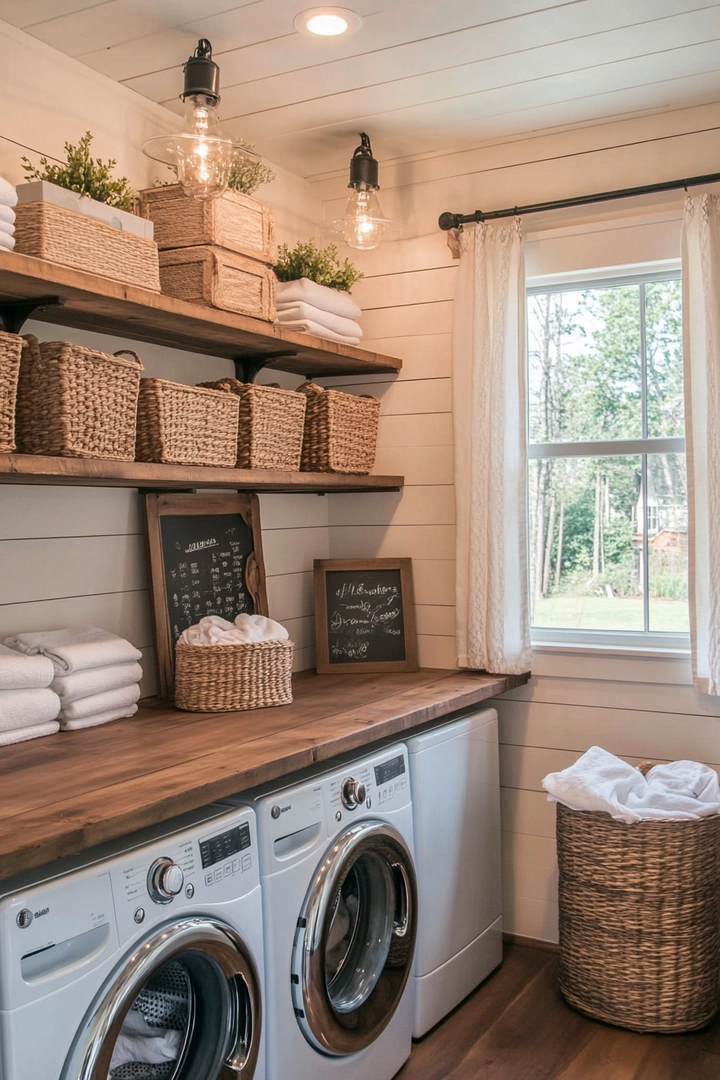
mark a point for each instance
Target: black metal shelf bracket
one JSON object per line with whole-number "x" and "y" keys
{"x": 247, "y": 367}
{"x": 14, "y": 313}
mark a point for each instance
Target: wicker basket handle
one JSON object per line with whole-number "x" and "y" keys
{"x": 310, "y": 388}
{"x": 129, "y": 352}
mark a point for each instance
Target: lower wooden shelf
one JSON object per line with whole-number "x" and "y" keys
{"x": 31, "y": 469}
{"x": 68, "y": 792}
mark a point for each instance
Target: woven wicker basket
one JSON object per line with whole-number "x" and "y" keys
{"x": 186, "y": 425}
{"x": 10, "y": 351}
{"x": 51, "y": 232}
{"x": 639, "y": 919}
{"x": 340, "y": 431}
{"x": 76, "y": 402}
{"x": 233, "y": 221}
{"x": 223, "y": 678}
{"x": 270, "y": 433}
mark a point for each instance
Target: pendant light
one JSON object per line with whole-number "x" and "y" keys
{"x": 363, "y": 225}
{"x": 200, "y": 155}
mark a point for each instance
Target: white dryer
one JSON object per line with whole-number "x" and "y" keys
{"x": 455, "y": 783}
{"x": 139, "y": 961}
{"x": 340, "y": 910}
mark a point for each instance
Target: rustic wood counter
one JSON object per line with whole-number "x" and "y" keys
{"x": 64, "y": 793}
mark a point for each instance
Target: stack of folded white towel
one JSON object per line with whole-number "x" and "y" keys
{"x": 8, "y": 199}
{"x": 95, "y": 674}
{"x": 314, "y": 309}
{"x": 28, "y": 707}
{"x": 214, "y": 630}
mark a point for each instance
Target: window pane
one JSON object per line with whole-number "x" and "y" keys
{"x": 663, "y": 321}
{"x": 585, "y": 556}
{"x": 667, "y": 543}
{"x": 584, "y": 364}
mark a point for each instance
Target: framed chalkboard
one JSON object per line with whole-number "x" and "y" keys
{"x": 364, "y": 615}
{"x": 205, "y": 557}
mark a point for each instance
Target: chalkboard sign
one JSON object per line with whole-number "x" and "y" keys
{"x": 205, "y": 559}
{"x": 364, "y": 615}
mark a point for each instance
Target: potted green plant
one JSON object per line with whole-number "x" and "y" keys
{"x": 313, "y": 292}
{"x": 234, "y": 220}
{"x": 321, "y": 265}
{"x": 85, "y": 185}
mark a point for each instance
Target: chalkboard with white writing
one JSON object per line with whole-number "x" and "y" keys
{"x": 205, "y": 559}
{"x": 364, "y": 615}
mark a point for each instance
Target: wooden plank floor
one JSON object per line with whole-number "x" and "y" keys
{"x": 516, "y": 1026}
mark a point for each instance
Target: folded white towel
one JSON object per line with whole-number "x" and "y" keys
{"x": 307, "y": 326}
{"x": 100, "y": 703}
{"x": 25, "y": 733}
{"x": 7, "y": 242}
{"x": 75, "y": 650}
{"x": 214, "y": 630}
{"x": 8, "y": 194}
{"x": 7, "y": 214}
{"x": 83, "y": 684}
{"x": 600, "y": 781}
{"x": 18, "y": 672}
{"x": 298, "y": 311}
{"x": 98, "y": 718}
{"x": 6, "y": 228}
{"x": 309, "y": 292}
{"x": 20, "y": 708}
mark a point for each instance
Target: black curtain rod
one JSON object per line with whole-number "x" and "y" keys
{"x": 449, "y": 221}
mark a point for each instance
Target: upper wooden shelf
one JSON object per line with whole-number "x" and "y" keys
{"x": 93, "y": 472}
{"x": 90, "y": 302}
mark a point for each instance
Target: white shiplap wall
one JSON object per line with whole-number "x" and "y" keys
{"x": 638, "y": 707}
{"x": 75, "y": 556}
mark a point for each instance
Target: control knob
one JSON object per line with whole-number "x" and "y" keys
{"x": 165, "y": 880}
{"x": 352, "y": 793}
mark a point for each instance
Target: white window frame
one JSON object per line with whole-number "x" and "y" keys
{"x": 611, "y": 640}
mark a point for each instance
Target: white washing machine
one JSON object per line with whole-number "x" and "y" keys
{"x": 340, "y": 913}
{"x": 140, "y": 961}
{"x": 455, "y": 782}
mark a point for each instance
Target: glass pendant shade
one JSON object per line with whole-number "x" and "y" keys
{"x": 363, "y": 224}
{"x": 199, "y": 154}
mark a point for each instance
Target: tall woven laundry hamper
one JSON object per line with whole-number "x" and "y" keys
{"x": 639, "y": 939}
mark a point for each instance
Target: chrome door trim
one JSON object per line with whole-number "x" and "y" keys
{"x": 91, "y": 1052}
{"x": 321, "y": 1024}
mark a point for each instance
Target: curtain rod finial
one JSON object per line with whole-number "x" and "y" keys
{"x": 448, "y": 221}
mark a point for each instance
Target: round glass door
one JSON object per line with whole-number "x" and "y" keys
{"x": 184, "y": 1006}
{"x": 355, "y": 940}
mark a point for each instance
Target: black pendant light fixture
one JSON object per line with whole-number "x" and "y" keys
{"x": 363, "y": 224}
{"x": 200, "y": 155}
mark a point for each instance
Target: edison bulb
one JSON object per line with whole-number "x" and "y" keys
{"x": 363, "y": 224}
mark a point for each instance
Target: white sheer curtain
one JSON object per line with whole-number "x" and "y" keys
{"x": 701, "y": 350}
{"x": 490, "y": 449}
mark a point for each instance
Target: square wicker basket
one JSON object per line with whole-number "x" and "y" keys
{"x": 10, "y": 352}
{"x": 76, "y": 402}
{"x": 225, "y": 678}
{"x": 341, "y": 431}
{"x": 186, "y": 425}
{"x": 270, "y": 433}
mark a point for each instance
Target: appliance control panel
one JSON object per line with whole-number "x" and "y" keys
{"x": 377, "y": 784}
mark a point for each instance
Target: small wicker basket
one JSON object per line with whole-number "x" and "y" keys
{"x": 340, "y": 431}
{"x": 186, "y": 425}
{"x": 270, "y": 433}
{"x": 226, "y": 678}
{"x": 10, "y": 352}
{"x": 76, "y": 402}
{"x": 639, "y": 943}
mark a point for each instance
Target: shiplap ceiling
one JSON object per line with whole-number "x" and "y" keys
{"x": 421, "y": 78}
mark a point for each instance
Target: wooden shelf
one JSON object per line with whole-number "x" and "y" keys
{"x": 68, "y": 792}
{"x": 53, "y": 471}
{"x": 95, "y": 303}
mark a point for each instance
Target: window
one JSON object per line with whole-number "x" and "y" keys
{"x": 607, "y": 494}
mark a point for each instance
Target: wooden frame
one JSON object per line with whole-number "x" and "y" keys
{"x": 160, "y": 507}
{"x": 366, "y": 625}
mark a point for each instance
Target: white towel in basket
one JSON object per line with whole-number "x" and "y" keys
{"x": 214, "y": 630}
{"x": 600, "y": 781}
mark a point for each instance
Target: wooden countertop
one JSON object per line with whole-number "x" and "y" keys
{"x": 67, "y": 792}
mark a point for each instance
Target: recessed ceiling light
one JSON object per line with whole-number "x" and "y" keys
{"x": 327, "y": 21}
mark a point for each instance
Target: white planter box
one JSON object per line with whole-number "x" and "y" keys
{"x": 42, "y": 191}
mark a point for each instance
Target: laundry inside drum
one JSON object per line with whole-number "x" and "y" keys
{"x": 154, "y": 1037}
